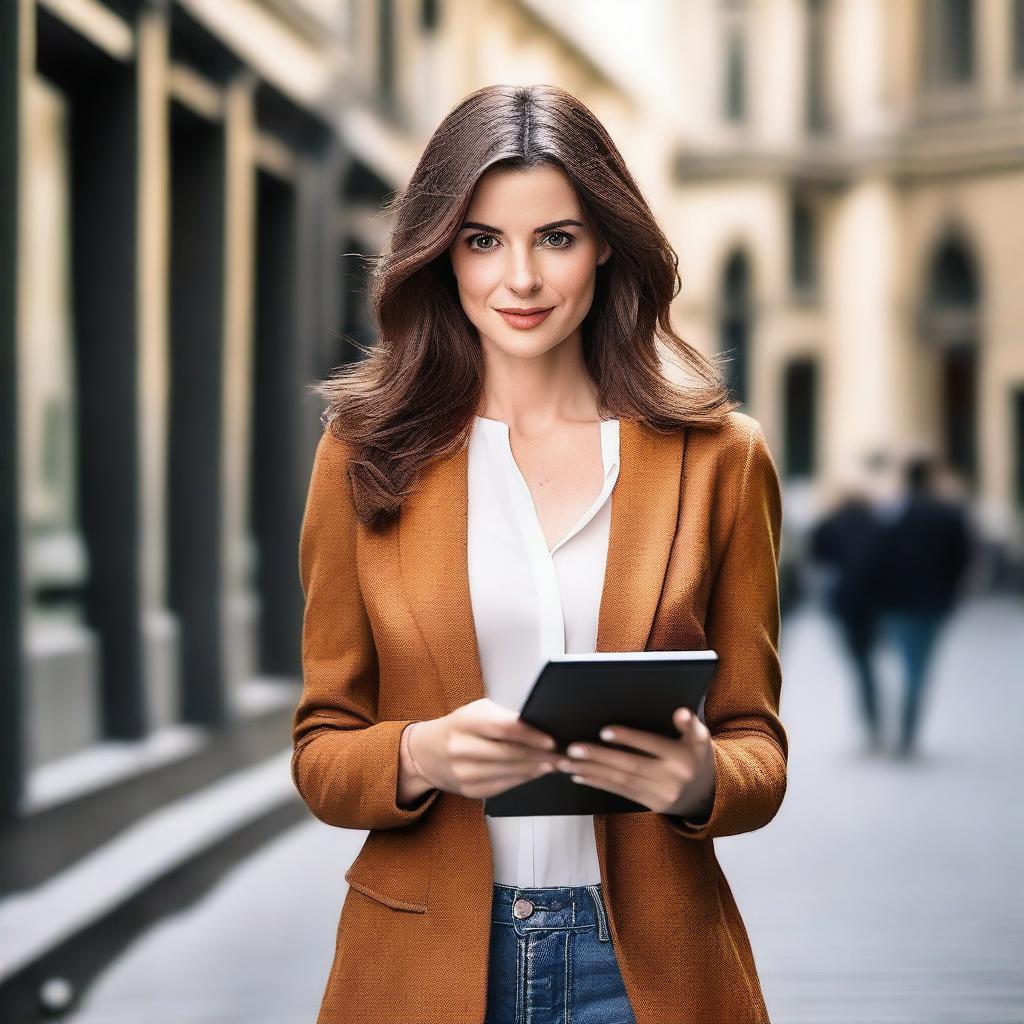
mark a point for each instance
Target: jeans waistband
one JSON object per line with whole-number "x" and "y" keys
{"x": 571, "y": 907}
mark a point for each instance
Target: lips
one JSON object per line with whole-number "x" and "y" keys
{"x": 524, "y": 321}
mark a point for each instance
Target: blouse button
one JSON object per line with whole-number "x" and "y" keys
{"x": 522, "y": 908}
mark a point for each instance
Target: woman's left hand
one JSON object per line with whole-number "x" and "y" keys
{"x": 672, "y": 776}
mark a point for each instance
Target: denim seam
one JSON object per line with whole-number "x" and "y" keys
{"x": 520, "y": 980}
{"x": 528, "y": 994}
{"x": 567, "y": 1011}
{"x": 602, "y": 923}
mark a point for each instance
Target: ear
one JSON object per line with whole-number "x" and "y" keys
{"x": 606, "y": 252}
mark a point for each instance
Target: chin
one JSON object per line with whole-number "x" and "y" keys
{"x": 528, "y": 343}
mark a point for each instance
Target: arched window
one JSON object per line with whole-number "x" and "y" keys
{"x": 951, "y": 323}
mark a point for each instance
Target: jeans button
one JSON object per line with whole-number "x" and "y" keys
{"x": 522, "y": 908}
{"x": 556, "y": 905}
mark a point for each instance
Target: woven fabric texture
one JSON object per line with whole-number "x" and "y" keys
{"x": 388, "y": 639}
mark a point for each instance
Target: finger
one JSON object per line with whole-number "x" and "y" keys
{"x": 634, "y": 789}
{"x": 495, "y": 786}
{"x": 691, "y": 728}
{"x": 473, "y": 747}
{"x": 516, "y": 730}
{"x": 636, "y": 765}
{"x": 637, "y": 739}
{"x": 535, "y": 737}
{"x": 481, "y": 773}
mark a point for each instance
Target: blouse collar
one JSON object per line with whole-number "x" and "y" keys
{"x": 497, "y": 434}
{"x": 499, "y": 430}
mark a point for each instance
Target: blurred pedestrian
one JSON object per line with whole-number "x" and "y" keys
{"x": 919, "y": 567}
{"x": 845, "y": 540}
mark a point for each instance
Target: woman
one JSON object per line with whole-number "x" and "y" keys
{"x": 494, "y": 486}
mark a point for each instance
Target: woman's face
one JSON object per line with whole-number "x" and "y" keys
{"x": 525, "y": 243}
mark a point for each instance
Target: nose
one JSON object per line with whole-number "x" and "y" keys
{"x": 523, "y": 276}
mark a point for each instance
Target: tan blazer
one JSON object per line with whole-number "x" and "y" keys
{"x": 388, "y": 639}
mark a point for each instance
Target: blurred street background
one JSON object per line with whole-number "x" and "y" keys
{"x": 187, "y": 192}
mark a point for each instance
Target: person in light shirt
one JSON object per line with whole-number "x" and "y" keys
{"x": 513, "y": 473}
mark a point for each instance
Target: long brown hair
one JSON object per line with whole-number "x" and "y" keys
{"x": 413, "y": 397}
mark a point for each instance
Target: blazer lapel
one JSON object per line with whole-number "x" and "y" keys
{"x": 435, "y": 571}
{"x": 645, "y": 514}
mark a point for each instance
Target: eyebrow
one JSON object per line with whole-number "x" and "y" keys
{"x": 567, "y": 222}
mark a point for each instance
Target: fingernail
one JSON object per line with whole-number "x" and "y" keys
{"x": 607, "y": 734}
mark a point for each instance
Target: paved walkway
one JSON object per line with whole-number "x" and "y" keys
{"x": 887, "y": 892}
{"x": 882, "y": 893}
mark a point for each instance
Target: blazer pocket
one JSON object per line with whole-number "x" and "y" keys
{"x": 394, "y": 868}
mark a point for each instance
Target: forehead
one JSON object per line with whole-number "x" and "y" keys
{"x": 523, "y": 198}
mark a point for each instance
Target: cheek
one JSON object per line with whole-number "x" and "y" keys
{"x": 573, "y": 278}
{"x": 474, "y": 281}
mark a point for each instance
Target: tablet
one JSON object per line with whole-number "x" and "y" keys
{"x": 577, "y": 695}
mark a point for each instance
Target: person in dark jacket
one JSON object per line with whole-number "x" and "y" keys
{"x": 845, "y": 540}
{"x": 918, "y": 570}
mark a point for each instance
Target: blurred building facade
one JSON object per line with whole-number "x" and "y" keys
{"x": 851, "y": 182}
{"x": 166, "y": 265}
{"x": 186, "y": 187}
{"x": 842, "y": 180}
{"x": 173, "y": 194}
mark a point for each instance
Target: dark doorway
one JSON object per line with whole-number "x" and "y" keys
{"x": 959, "y": 421}
{"x": 800, "y": 402}
{"x": 952, "y": 325}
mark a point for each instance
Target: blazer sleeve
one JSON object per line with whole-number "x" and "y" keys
{"x": 741, "y": 709}
{"x": 344, "y": 761}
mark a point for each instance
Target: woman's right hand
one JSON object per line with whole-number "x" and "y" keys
{"x": 480, "y": 750}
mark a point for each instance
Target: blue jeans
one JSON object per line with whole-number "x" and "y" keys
{"x": 551, "y": 959}
{"x": 915, "y": 634}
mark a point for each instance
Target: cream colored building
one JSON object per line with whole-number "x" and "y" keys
{"x": 843, "y": 181}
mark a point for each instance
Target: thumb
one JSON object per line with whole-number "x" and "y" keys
{"x": 683, "y": 719}
{"x": 692, "y": 729}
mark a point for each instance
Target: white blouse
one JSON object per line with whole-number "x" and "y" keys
{"x": 529, "y": 603}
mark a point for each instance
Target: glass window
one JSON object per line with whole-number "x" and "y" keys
{"x": 734, "y": 59}
{"x": 1018, "y": 38}
{"x": 948, "y": 33}
{"x": 735, "y": 324}
{"x": 817, "y": 119}
{"x": 735, "y": 76}
{"x": 801, "y": 397}
{"x": 803, "y": 264}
